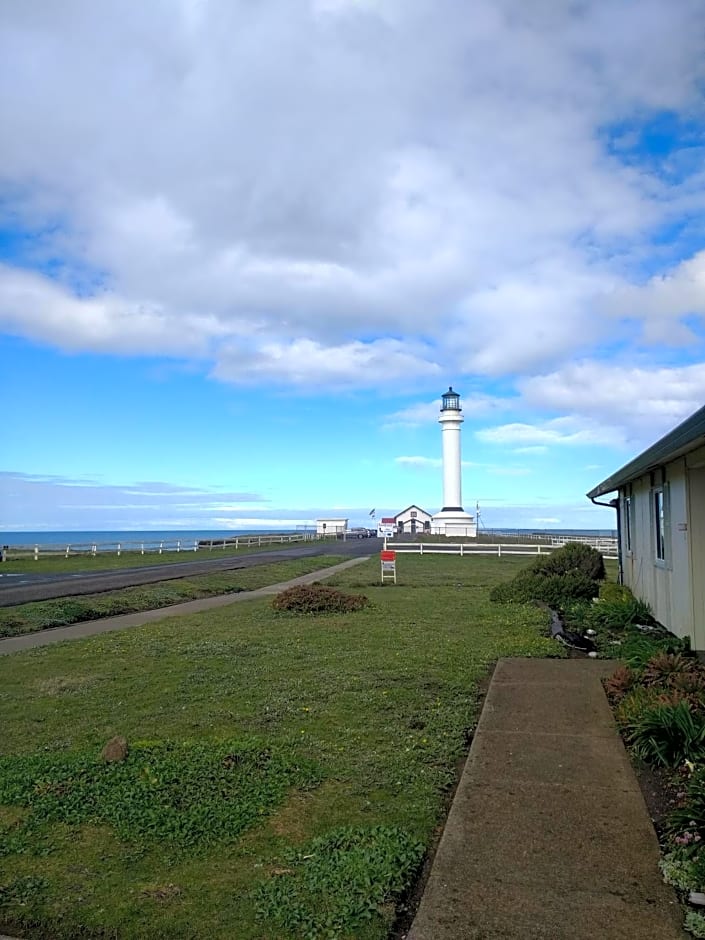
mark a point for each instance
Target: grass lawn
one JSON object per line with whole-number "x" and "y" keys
{"x": 105, "y": 561}
{"x": 60, "y": 611}
{"x": 285, "y": 774}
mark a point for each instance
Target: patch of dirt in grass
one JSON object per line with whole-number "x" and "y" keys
{"x": 11, "y": 815}
{"x": 292, "y": 820}
{"x": 161, "y": 893}
{"x": 60, "y": 685}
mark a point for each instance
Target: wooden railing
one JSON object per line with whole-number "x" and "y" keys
{"x": 155, "y": 546}
{"x": 479, "y": 548}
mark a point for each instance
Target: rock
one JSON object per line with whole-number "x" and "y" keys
{"x": 115, "y": 750}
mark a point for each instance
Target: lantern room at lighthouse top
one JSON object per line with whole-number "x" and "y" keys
{"x": 451, "y": 400}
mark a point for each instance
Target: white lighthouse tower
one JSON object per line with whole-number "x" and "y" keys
{"x": 452, "y": 520}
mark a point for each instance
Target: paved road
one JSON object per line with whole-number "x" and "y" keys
{"x": 22, "y": 588}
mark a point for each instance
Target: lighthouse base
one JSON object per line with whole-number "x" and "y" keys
{"x": 454, "y": 523}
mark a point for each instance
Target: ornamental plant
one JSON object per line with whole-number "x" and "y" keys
{"x": 318, "y": 599}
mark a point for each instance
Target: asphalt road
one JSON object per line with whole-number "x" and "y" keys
{"x": 21, "y": 588}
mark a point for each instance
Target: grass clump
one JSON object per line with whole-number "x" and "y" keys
{"x": 338, "y": 883}
{"x": 318, "y": 599}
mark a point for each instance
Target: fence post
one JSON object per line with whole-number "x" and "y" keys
{"x": 420, "y": 548}
{"x": 36, "y": 553}
{"x": 141, "y": 548}
{"x": 178, "y": 545}
{"x": 68, "y": 550}
{"x": 94, "y": 549}
{"x": 539, "y": 549}
{"x": 161, "y": 546}
{"x": 195, "y": 545}
{"x": 499, "y": 550}
{"x": 118, "y": 549}
{"x": 237, "y": 542}
{"x": 461, "y": 549}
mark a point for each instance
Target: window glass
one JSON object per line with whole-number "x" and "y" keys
{"x": 659, "y": 525}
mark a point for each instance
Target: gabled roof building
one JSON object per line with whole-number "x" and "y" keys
{"x": 660, "y": 503}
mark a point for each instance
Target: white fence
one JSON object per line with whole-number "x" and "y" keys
{"x": 480, "y": 548}
{"x": 156, "y": 546}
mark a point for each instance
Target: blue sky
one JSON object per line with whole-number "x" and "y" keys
{"x": 245, "y": 248}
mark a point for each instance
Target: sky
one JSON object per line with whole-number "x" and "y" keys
{"x": 245, "y": 247}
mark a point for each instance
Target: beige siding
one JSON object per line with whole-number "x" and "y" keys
{"x": 666, "y": 585}
{"x": 696, "y": 533}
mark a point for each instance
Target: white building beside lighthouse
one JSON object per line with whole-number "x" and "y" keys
{"x": 452, "y": 520}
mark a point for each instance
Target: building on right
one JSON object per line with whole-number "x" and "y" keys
{"x": 660, "y": 503}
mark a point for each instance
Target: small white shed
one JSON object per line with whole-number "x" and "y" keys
{"x": 331, "y": 526}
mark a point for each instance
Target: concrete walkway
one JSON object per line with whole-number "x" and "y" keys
{"x": 548, "y": 837}
{"x": 106, "y": 624}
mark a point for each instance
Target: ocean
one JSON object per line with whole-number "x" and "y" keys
{"x": 82, "y": 537}
{"x": 150, "y": 537}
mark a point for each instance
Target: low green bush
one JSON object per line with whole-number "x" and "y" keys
{"x": 575, "y": 556}
{"x": 339, "y": 882}
{"x": 637, "y": 648}
{"x": 618, "y": 613}
{"x": 318, "y": 599}
{"x": 570, "y": 574}
{"x": 667, "y": 734}
{"x": 556, "y": 590}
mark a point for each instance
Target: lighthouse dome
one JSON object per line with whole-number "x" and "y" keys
{"x": 451, "y": 400}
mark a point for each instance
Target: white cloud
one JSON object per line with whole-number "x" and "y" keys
{"x": 433, "y": 463}
{"x": 473, "y": 404}
{"x": 333, "y": 192}
{"x": 664, "y": 300}
{"x": 307, "y": 363}
{"x": 631, "y": 404}
{"x": 562, "y": 431}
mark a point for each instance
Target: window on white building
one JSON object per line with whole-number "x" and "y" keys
{"x": 659, "y": 523}
{"x": 628, "y": 523}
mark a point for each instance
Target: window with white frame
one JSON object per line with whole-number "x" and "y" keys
{"x": 658, "y": 497}
{"x": 628, "y": 522}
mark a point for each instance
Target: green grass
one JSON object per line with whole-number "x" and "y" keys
{"x": 61, "y": 611}
{"x": 58, "y": 563}
{"x": 334, "y": 742}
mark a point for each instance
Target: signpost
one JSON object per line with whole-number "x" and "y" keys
{"x": 389, "y": 566}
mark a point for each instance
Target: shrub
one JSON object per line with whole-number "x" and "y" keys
{"x": 619, "y": 683}
{"x": 618, "y": 614}
{"x": 568, "y": 575}
{"x": 663, "y": 668}
{"x": 318, "y": 599}
{"x": 667, "y": 734}
{"x": 556, "y": 590}
{"x": 575, "y": 556}
{"x": 638, "y": 648}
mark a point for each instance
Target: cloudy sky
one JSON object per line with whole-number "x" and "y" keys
{"x": 244, "y": 247}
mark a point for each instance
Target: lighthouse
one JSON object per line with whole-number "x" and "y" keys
{"x": 452, "y": 520}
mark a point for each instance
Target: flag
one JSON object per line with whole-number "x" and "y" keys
{"x": 372, "y": 513}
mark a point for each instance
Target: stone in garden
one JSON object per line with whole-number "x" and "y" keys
{"x": 115, "y": 750}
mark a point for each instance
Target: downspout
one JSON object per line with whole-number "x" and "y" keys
{"x": 614, "y": 504}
